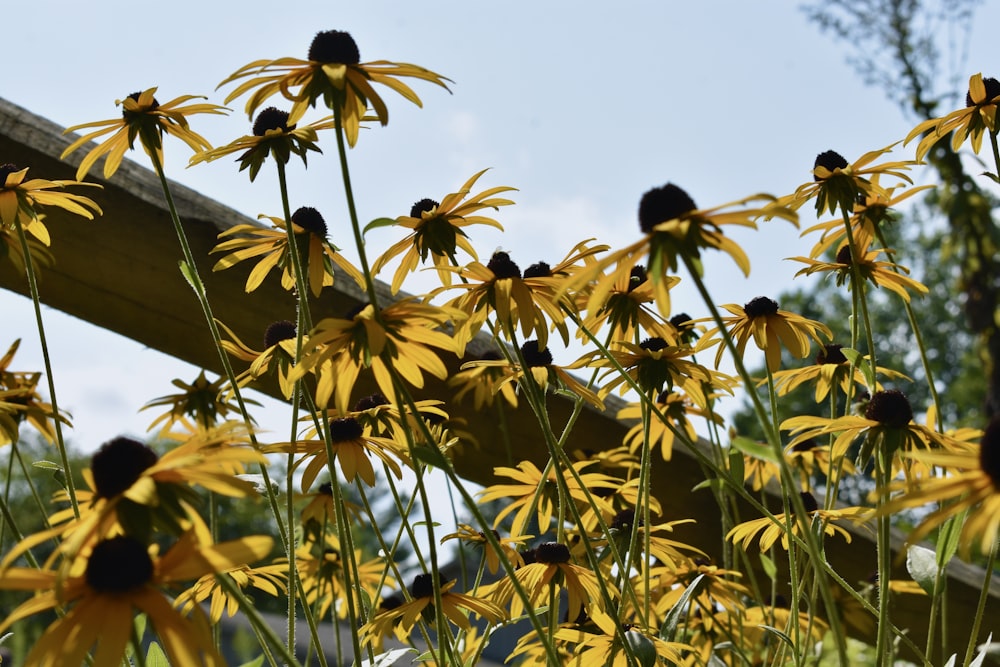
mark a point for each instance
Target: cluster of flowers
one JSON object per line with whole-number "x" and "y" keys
{"x": 603, "y": 583}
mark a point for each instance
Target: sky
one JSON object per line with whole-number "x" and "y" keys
{"x": 582, "y": 106}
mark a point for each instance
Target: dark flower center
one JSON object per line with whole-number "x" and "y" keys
{"x": 334, "y": 46}
{"x": 552, "y": 552}
{"x": 6, "y": 170}
{"x": 502, "y": 266}
{"x": 992, "y": 90}
{"x": 681, "y": 321}
{"x": 538, "y": 270}
{"x": 325, "y": 489}
{"x": 624, "y": 520}
{"x": 809, "y": 501}
{"x": 636, "y": 276}
{"x": 653, "y": 344}
{"x": 277, "y": 332}
{"x": 831, "y": 354}
{"x": 662, "y": 204}
{"x": 844, "y": 256}
{"x": 310, "y": 219}
{"x": 345, "y": 430}
{"x": 535, "y": 357}
{"x": 989, "y": 452}
{"x": 423, "y": 585}
{"x": 118, "y": 464}
{"x": 369, "y": 402}
{"x": 832, "y": 160}
{"x": 392, "y": 601}
{"x": 118, "y": 565}
{"x": 271, "y": 118}
{"x": 889, "y": 407}
{"x": 761, "y": 307}
{"x": 135, "y": 98}
{"x": 423, "y": 206}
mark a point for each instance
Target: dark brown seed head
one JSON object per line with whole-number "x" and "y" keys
{"x": 118, "y": 464}
{"x": 334, "y": 46}
{"x": 831, "y": 354}
{"x": 277, "y": 332}
{"x": 832, "y": 160}
{"x": 552, "y": 552}
{"x": 534, "y": 356}
{"x": 118, "y": 565}
{"x": 502, "y": 266}
{"x": 662, "y": 204}
{"x": 989, "y": 452}
{"x": 538, "y": 270}
{"x": 345, "y": 430}
{"x": 889, "y": 407}
{"x": 311, "y": 220}
{"x": 992, "y": 90}
{"x": 760, "y": 306}
{"x": 423, "y": 206}
{"x": 271, "y": 118}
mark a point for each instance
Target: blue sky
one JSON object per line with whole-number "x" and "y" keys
{"x": 582, "y": 106}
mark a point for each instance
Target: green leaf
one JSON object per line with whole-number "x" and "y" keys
{"x": 993, "y": 177}
{"x": 155, "y": 657}
{"x": 862, "y": 364}
{"x": 753, "y": 448}
{"x": 47, "y": 465}
{"x": 431, "y": 456}
{"x": 673, "y": 618}
{"x": 779, "y": 634}
{"x": 770, "y": 569}
{"x": 188, "y": 274}
{"x": 948, "y": 536}
{"x": 737, "y": 466}
{"x": 378, "y": 222}
{"x": 921, "y": 563}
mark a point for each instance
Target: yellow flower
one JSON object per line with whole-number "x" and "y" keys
{"x": 970, "y": 483}
{"x": 626, "y": 309}
{"x": 469, "y": 535}
{"x": 21, "y": 199}
{"x": 882, "y": 274}
{"x": 147, "y": 119}
{"x": 455, "y": 607}
{"x": 533, "y": 492}
{"x": 604, "y": 648}
{"x": 272, "y": 136}
{"x": 972, "y": 122}
{"x": 437, "y": 230}
{"x": 267, "y": 578}
{"x": 551, "y": 572}
{"x": 119, "y": 577}
{"x": 278, "y": 355}
{"x": 831, "y": 369}
{"x": 771, "y": 530}
{"x": 201, "y": 401}
{"x": 20, "y": 402}
{"x": 271, "y": 245}
{"x": 351, "y": 446}
{"x": 483, "y": 382}
{"x": 837, "y": 185}
{"x": 771, "y": 329}
{"x": 654, "y": 364}
{"x": 10, "y": 247}
{"x": 401, "y": 337}
{"x": 325, "y": 580}
{"x": 676, "y": 228}
{"x": 670, "y": 417}
{"x": 333, "y": 72}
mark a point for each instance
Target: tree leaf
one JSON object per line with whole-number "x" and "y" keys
{"x": 673, "y": 618}
{"x": 921, "y": 563}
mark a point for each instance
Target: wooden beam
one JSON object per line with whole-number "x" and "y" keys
{"x": 120, "y": 273}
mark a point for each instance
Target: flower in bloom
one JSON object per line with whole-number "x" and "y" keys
{"x": 334, "y": 73}
{"x": 671, "y": 412}
{"x": 483, "y": 382}
{"x": 278, "y": 355}
{"x": 200, "y": 401}
{"x": 325, "y": 578}
{"x": 626, "y": 308}
{"x": 970, "y": 483}
{"x": 602, "y": 644}
{"x": 20, "y": 402}
{"x": 397, "y": 341}
{"x": 837, "y": 185}
{"x": 121, "y": 576}
{"x": 272, "y": 247}
{"x": 20, "y": 200}
{"x": 469, "y": 535}
{"x": 438, "y": 230}
{"x": 552, "y": 569}
{"x": 978, "y": 117}
{"x": 267, "y": 578}
{"x": 771, "y": 530}
{"x": 455, "y": 607}
{"x": 880, "y": 273}
{"x": 771, "y": 329}
{"x": 147, "y": 119}
{"x": 273, "y": 136}
{"x": 832, "y": 369}
{"x": 655, "y": 365}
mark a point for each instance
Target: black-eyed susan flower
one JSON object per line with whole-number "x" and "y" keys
{"x": 402, "y": 337}
{"x": 438, "y": 230}
{"x": 334, "y": 73}
{"x": 491, "y": 557}
{"x": 200, "y": 401}
{"x": 551, "y": 573}
{"x": 775, "y": 530}
{"x": 655, "y": 365}
{"x": 626, "y": 309}
{"x": 887, "y": 423}
{"x": 600, "y": 644}
{"x": 837, "y": 185}
{"x": 483, "y": 382}
{"x": 326, "y": 581}
{"x": 455, "y": 606}
{"x": 831, "y": 369}
{"x": 120, "y": 578}
{"x": 11, "y": 250}
{"x": 273, "y": 136}
{"x": 676, "y": 230}
{"x": 671, "y": 416}
{"x": 269, "y": 579}
{"x": 21, "y": 200}
{"x": 977, "y": 118}
{"x": 672, "y": 553}
{"x": 278, "y": 355}
{"x": 538, "y": 494}
{"x": 242, "y": 242}
{"x": 21, "y": 403}
{"x": 880, "y": 273}
{"x": 538, "y": 362}
{"x": 771, "y": 329}
{"x": 717, "y": 587}
{"x": 970, "y": 482}
{"x": 352, "y": 448}
{"x": 498, "y": 287}
{"x": 143, "y": 118}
